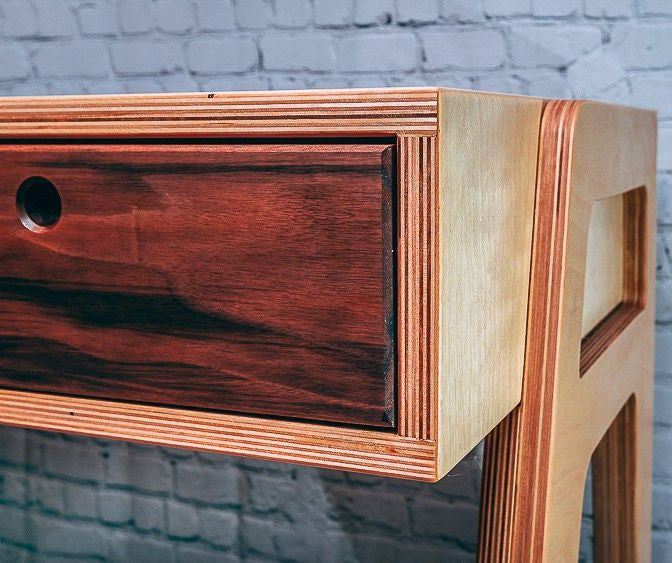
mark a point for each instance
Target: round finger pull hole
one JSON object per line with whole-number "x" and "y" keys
{"x": 38, "y": 204}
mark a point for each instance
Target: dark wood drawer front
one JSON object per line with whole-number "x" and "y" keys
{"x": 252, "y": 278}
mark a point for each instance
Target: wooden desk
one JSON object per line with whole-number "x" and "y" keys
{"x": 364, "y": 280}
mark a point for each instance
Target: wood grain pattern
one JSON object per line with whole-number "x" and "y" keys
{"x": 487, "y": 173}
{"x": 248, "y": 278}
{"x": 418, "y": 290}
{"x": 605, "y": 256}
{"x": 630, "y": 297}
{"x": 340, "y": 448}
{"x": 587, "y": 152}
{"x": 233, "y": 114}
{"x": 614, "y": 474}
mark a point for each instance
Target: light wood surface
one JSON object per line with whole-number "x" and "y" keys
{"x": 538, "y": 458}
{"x": 455, "y": 414}
{"x": 486, "y": 198}
{"x": 603, "y": 289}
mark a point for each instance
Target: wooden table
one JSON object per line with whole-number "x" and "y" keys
{"x": 363, "y": 280}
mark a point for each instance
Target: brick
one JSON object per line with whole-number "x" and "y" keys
{"x": 174, "y": 16}
{"x": 29, "y": 89}
{"x": 14, "y": 63}
{"x": 643, "y": 46}
{"x": 292, "y": 13}
{"x": 182, "y": 520}
{"x": 142, "y": 85}
{"x": 462, "y": 11}
{"x": 215, "y": 15}
{"x": 114, "y": 507}
{"x": 145, "y": 57}
{"x": 98, "y": 19}
{"x": 338, "y": 547}
{"x": 73, "y": 459}
{"x": 80, "y": 501}
{"x": 81, "y": 58}
{"x": 417, "y": 11}
{"x": 448, "y": 520}
{"x": 13, "y": 525}
{"x": 664, "y": 255}
{"x": 662, "y": 457}
{"x": 13, "y": 487}
{"x": 508, "y": 8}
{"x": 208, "y": 485}
{"x": 661, "y": 550}
{"x": 374, "y": 12}
{"x": 15, "y": 554}
{"x": 190, "y": 554}
{"x": 664, "y": 142}
{"x": 314, "y": 52}
{"x": 67, "y": 537}
{"x": 47, "y": 493}
{"x": 662, "y": 506}
{"x": 554, "y": 47}
{"x": 139, "y": 468}
{"x": 499, "y": 84}
{"x": 553, "y": 8}
{"x": 253, "y": 14}
{"x": 655, "y": 7}
{"x": 383, "y": 510}
{"x": 333, "y": 14}
{"x": 664, "y": 195}
{"x": 664, "y": 302}
{"x": 18, "y": 19}
{"x": 375, "y": 548}
{"x": 212, "y": 56}
{"x": 460, "y": 482}
{"x": 219, "y": 528}
{"x": 125, "y": 547}
{"x": 653, "y": 93}
{"x": 135, "y": 17}
{"x": 294, "y": 544}
{"x": 55, "y": 19}
{"x": 594, "y": 73}
{"x": 148, "y": 514}
{"x": 13, "y": 445}
{"x": 235, "y": 84}
{"x": 257, "y": 535}
{"x": 608, "y": 8}
{"x": 664, "y": 351}
{"x": 268, "y": 493}
{"x": 178, "y": 83}
{"x": 378, "y": 53}
{"x": 481, "y": 50}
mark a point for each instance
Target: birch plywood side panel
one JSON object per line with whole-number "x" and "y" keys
{"x": 487, "y": 171}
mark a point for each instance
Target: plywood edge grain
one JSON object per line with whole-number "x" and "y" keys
{"x": 234, "y": 114}
{"x": 338, "y": 448}
{"x": 487, "y": 172}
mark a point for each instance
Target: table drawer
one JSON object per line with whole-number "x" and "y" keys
{"x": 245, "y": 277}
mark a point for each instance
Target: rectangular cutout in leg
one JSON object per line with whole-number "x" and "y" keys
{"x": 614, "y": 285}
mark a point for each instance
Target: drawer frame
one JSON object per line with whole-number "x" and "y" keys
{"x": 442, "y": 411}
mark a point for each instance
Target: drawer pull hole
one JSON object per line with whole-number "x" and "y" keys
{"x": 38, "y": 204}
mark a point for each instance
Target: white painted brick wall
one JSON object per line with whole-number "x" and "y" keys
{"x": 88, "y": 500}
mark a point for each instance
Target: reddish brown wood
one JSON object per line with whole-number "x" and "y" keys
{"x": 614, "y": 484}
{"x": 243, "y": 277}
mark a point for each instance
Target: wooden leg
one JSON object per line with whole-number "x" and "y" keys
{"x": 586, "y": 393}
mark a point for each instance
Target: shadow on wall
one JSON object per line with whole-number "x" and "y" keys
{"x": 67, "y": 497}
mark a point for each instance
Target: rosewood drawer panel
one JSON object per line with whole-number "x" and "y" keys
{"x": 254, "y": 278}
